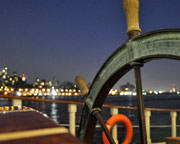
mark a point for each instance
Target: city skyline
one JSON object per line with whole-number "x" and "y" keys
{"x": 63, "y": 39}
{"x": 12, "y": 83}
{"x": 6, "y": 75}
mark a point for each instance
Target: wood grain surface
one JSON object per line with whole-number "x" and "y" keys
{"x": 32, "y": 120}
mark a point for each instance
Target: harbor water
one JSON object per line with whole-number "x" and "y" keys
{"x": 160, "y": 121}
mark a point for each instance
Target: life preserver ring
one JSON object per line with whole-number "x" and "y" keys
{"x": 119, "y": 118}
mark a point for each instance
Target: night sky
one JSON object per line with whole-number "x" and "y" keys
{"x": 64, "y": 38}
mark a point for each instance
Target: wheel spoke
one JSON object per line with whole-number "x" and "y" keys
{"x": 96, "y": 113}
{"x": 140, "y": 102}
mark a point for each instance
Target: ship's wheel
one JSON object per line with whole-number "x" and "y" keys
{"x": 131, "y": 55}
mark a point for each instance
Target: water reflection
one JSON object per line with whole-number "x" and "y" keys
{"x": 4, "y": 102}
{"x": 43, "y": 107}
{"x": 53, "y": 113}
{"x": 130, "y": 103}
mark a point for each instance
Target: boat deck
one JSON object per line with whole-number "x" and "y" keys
{"x": 28, "y": 126}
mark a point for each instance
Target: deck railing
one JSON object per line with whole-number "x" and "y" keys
{"x": 72, "y": 109}
{"x": 173, "y": 114}
{"x": 114, "y": 111}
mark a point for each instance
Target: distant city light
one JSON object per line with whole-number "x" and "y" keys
{"x": 3, "y": 71}
{"x": 13, "y": 85}
{"x": 18, "y": 93}
{"x": 53, "y": 92}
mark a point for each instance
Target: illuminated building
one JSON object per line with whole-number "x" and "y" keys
{"x": 127, "y": 89}
{"x": 23, "y": 77}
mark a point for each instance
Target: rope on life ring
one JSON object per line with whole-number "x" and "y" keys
{"x": 119, "y": 118}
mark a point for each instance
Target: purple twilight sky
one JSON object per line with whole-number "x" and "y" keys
{"x": 65, "y": 38}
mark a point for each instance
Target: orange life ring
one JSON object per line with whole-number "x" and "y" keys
{"x": 119, "y": 118}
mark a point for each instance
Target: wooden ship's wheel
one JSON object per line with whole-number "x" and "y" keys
{"x": 133, "y": 54}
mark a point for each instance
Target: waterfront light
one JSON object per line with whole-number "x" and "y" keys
{"x": 134, "y": 94}
{"x": 43, "y": 90}
{"x": 144, "y": 93}
{"x": 32, "y": 91}
{"x": 18, "y": 93}
{"x": 5, "y": 93}
{"x": 156, "y": 92}
{"x": 75, "y": 94}
{"x": 160, "y": 92}
{"x": 3, "y": 71}
{"x": 53, "y": 92}
{"x": 150, "y": 91}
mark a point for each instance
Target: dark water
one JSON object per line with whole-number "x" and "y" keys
{"x": 160, "y": 121}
